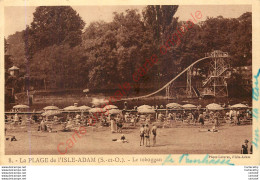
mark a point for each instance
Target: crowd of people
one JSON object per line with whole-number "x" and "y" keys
{"x": 148, "y": 122}
{"x": 116, "y": 121}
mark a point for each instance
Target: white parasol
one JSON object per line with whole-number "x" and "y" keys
{"x": 189, "y": 106}
{"x": 71, "y": 108}
{"x": 51, "y": 113}
{"x": 108, "y": 107}
{"x": 114, "y": 111}
{"x": 84, "y": 108}
{"x": 173, "y": 106}
{"x": 239, "y": 106}
{"x": 21, "y": 106}
{"x": 144, "y": 107}
{"x": 146, "y": 111}
{"x": 51, "y": 108}
{"x": 214, "y": 106}
{"x": 95, "y": 110}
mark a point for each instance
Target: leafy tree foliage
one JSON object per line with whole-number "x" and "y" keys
{"x": 53, "y": 25}
{"x": 108, "y": 53}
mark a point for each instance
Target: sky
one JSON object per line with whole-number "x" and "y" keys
{"x": 16, "y": 18}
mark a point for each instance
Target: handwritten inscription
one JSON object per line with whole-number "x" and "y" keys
{"x": 256, "y": 138}
{"x": 255, "y": 114}
{"x": 255, "y": 91}
{"x": 168, "y": 159}
{"x": 184, "y": 158}
{"x": 255, "y": 96}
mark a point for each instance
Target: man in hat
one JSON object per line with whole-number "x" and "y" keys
{"x": 244, "y": 149}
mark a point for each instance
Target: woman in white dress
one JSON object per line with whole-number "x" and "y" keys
{"x": 113, "y": 124}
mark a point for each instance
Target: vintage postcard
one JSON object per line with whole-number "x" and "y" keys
{"x": 130, "y": 83}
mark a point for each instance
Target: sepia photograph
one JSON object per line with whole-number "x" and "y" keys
{"x": 128, "y": 80}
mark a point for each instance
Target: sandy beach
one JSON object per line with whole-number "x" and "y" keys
{"x": 175, "y": 140}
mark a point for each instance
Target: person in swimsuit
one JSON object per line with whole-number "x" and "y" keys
{"x": 154, "y": 132}
{"x": 147, "y": 134}
{"x": 142, "y": 135}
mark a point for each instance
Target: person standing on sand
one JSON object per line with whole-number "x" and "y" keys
{"x": 244, "y": 149}
{"x": 16, "y": 118}
{"x": 113, "y": 124}
{"x": 147, "y": 134}
{"x": 196, "y": 116}
{"x": 142, "y": 135}
{"x": 201, "y": 119}
{"x": 154, "y": 132}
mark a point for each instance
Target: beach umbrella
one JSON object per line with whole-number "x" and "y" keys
{"x": 114, "y": 111}
{"x": 214, "y": 106}
{"x": 173, "y": 106}
{"x": 51, "y": 108}
{"x": 21, "y": 106}
{"x": 189, "y": 106}
{"x": 96, "y": 110}
{"x": 144, "y": 107}
{"x": 71, "y": 108}
{"x": 84, "y": 108}
{"x": 146, "y": 110}
{"x": 108, "y": 107}
{"x": 51, "y": 113}
{"x": 239, "y": 106}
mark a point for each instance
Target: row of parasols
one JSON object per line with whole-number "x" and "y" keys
{"x": 112, "y": 109}
{"x": 54, "y": 110}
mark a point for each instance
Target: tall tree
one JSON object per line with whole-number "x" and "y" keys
{"x": 53, "y": 25}
{"x": 159, "y": 18}
{"x": 8, "y": 62}
{"x": 16, "y": 49}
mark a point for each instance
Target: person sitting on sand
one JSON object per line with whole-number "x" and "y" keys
{"x": 43, "y": 126}
{"x": 68, "y": 125}
{"x": 213, "y": 129}
{"x": 13, "y": 138}
{"x": 123, "y": 139}
{"x": 160, "y": 116}
{"x": 191, "y": 118}
{"x": 169, "y": 117}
